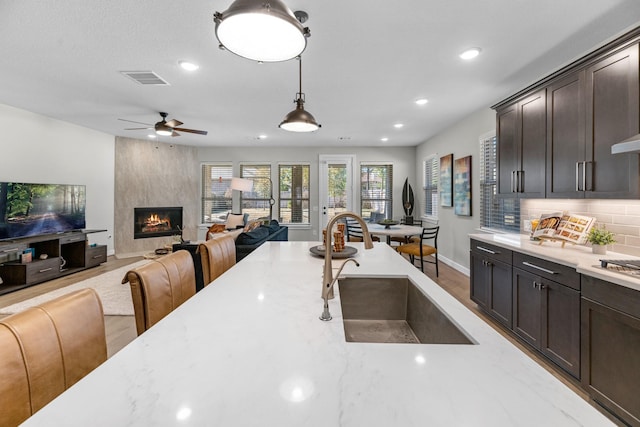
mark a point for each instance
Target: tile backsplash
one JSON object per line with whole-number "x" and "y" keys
{"x": 621, "y": 217}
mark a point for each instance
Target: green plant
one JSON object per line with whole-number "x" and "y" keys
{"x": 601, "y": 236}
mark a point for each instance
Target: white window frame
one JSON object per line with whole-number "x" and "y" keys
{"x": 308, "y": 198}
{"x": 205, "y": 187}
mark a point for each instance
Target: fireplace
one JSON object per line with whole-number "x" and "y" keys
{"x": 156, "y": 222}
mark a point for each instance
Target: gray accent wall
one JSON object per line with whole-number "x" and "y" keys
{"x": 462, "y": 139}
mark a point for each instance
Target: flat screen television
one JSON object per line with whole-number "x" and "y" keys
{"x": 36, "y": 209}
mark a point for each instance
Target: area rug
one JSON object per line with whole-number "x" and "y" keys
{"x": 115, "y": 297}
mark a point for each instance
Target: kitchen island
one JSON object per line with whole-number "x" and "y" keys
{"x": 249, "y": 349}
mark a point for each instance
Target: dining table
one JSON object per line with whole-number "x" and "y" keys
{"x": 249, "y": 349}
{"x": 397, "y": 230}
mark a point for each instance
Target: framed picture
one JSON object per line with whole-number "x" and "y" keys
{"x": 446, "y": 180}
{"x": 462, "y": 186}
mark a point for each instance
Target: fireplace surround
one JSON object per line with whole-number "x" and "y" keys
{"x": 157, "y": 222}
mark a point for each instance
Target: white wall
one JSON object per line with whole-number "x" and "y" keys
{"x": 38, "y": 149}
{"x": 461, "y": 139}
{"x": 402, "y": 158}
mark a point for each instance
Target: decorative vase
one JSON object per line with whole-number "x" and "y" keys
{"x": 599, "y": 249}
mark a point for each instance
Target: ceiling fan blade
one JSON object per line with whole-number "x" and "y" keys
{"x": 199, "y": 132}
{"x": 137, "y": 128}
{"x": 131, "y": 121}
{"x": 173, "y": 123}
{"x": 175, "y": 134}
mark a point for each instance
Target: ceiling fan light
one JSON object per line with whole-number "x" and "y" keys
{"x": 261, "y": 31}
{"x": 164, "y": 132}
{"x": 299, "y": 120}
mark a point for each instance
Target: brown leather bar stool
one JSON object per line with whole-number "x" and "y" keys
{"x": 218, "y": 255}
{"x": 46, "y": 349}
{"x": 159, "y": 287}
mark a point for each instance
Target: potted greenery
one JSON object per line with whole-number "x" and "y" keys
{"x": 599, "y": 237}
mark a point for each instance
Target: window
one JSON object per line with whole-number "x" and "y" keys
{"x": 376, "y": 191}
{"x": 294, "y": 194}
{"x": 216, "y": 191}
{"x": 495, "y": 213}
{"x": 431, "y": 169}
{"x": 257, "y": 201}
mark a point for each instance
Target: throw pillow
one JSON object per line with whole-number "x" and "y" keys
{"x": 253, "y": 237}
{"x": 252, "y": 225}
{"x": 234, "y": 220}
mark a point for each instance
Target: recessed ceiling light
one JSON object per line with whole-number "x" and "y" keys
{"x": 384, "y": 139}
{"x": 470, "y": 53}
{"x": 398, "y": 125}
{"x": 189, "y": 66}
{"x": 262, "y": 136}
{"x": 421, "y": 101}
{"x": 151, "y": 135}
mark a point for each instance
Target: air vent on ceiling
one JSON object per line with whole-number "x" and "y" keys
{"x": 145, "y": 77}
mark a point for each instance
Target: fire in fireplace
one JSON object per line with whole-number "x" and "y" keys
{"x": 157, "y": 222}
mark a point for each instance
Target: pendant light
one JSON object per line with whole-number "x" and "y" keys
{"x": 299, "y": 120}
{"x": 262, "y": 30}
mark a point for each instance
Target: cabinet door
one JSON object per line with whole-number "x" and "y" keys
{"x": 531, "y": 133}
{"x": 611, "y": 366}
{"x": 500, "y": 304}
{"x": 527, "y": 306}
{"x": 480, "y": 278}
{"x": 565, "y": 137}
{"x": 491, "y": 287}
{"x": 561, "y": 326}
{"x": 507, "y": 150}
{"x": 613, "y": 105}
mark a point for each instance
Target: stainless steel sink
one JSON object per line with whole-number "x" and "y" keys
{"x": 394, "y": 310}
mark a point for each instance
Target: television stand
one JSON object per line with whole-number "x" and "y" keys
{"x": 54, "y": 256}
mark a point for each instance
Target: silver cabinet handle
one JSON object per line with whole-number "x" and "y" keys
{"x": 528, "y": 264}
{"x": 513, "y": 173}
{"x": 486, "y": 250}
{"x": 577, "y": 176}
{"x": 519, "y": 183}
{"x": 584, "y": 176}
{"x": 96, "y": 256}
{"x": 44, "y": 270}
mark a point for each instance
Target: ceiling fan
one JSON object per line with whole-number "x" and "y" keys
{"x": 166, "y": 128}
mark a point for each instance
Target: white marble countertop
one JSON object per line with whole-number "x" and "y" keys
{"x": 250, "y": 350}
{"x": 576, "y": 256}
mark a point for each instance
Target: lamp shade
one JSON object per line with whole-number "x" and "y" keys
{"x": 299, "y": 120}
{"x": 261, "y": 30}
{"x": 241, "y": 184}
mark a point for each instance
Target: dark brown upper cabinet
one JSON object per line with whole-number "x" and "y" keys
{"x": 555, "y": 137}
{"x": 521, "y": 132}
{"x": 612, "y": 115}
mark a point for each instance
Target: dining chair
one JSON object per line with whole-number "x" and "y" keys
{"x": 46, "y": 349}
{"x": 354, "y": 231}
{"x": 400, "y": 240}
{"x": 159, "y": 287}
{"x": 419, "y": 248}
{"x": 217, "y": 255}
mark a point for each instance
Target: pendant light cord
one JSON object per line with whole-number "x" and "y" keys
{"x": 300, "y": 72}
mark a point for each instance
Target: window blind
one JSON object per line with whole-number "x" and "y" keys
{"x": 216, "y": 191}
{"x": 431, "y": 168}
{"x": 496, "y": 213}
{"x": 293, "y": 184}
{"x": 376, "y": 191}
{"x": 256, "y": 202}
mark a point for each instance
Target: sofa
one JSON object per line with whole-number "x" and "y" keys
{"x": 249, "y": 241}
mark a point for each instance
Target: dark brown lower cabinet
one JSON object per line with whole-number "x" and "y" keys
{"x": 491, "y": 280}
{"x": 611, "y": 347}
{"x": 546, "y": 315}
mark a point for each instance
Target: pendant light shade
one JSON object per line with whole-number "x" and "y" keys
{"x": 300, "y": 120}
{"x": 261, "y": 30}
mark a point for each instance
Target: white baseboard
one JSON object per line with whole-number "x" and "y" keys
{"x": 461, "y": 268}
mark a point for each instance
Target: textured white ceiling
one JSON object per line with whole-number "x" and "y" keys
{"x": 364, "y": 66}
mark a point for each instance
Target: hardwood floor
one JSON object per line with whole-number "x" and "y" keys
{"x": 120, "y": 330}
